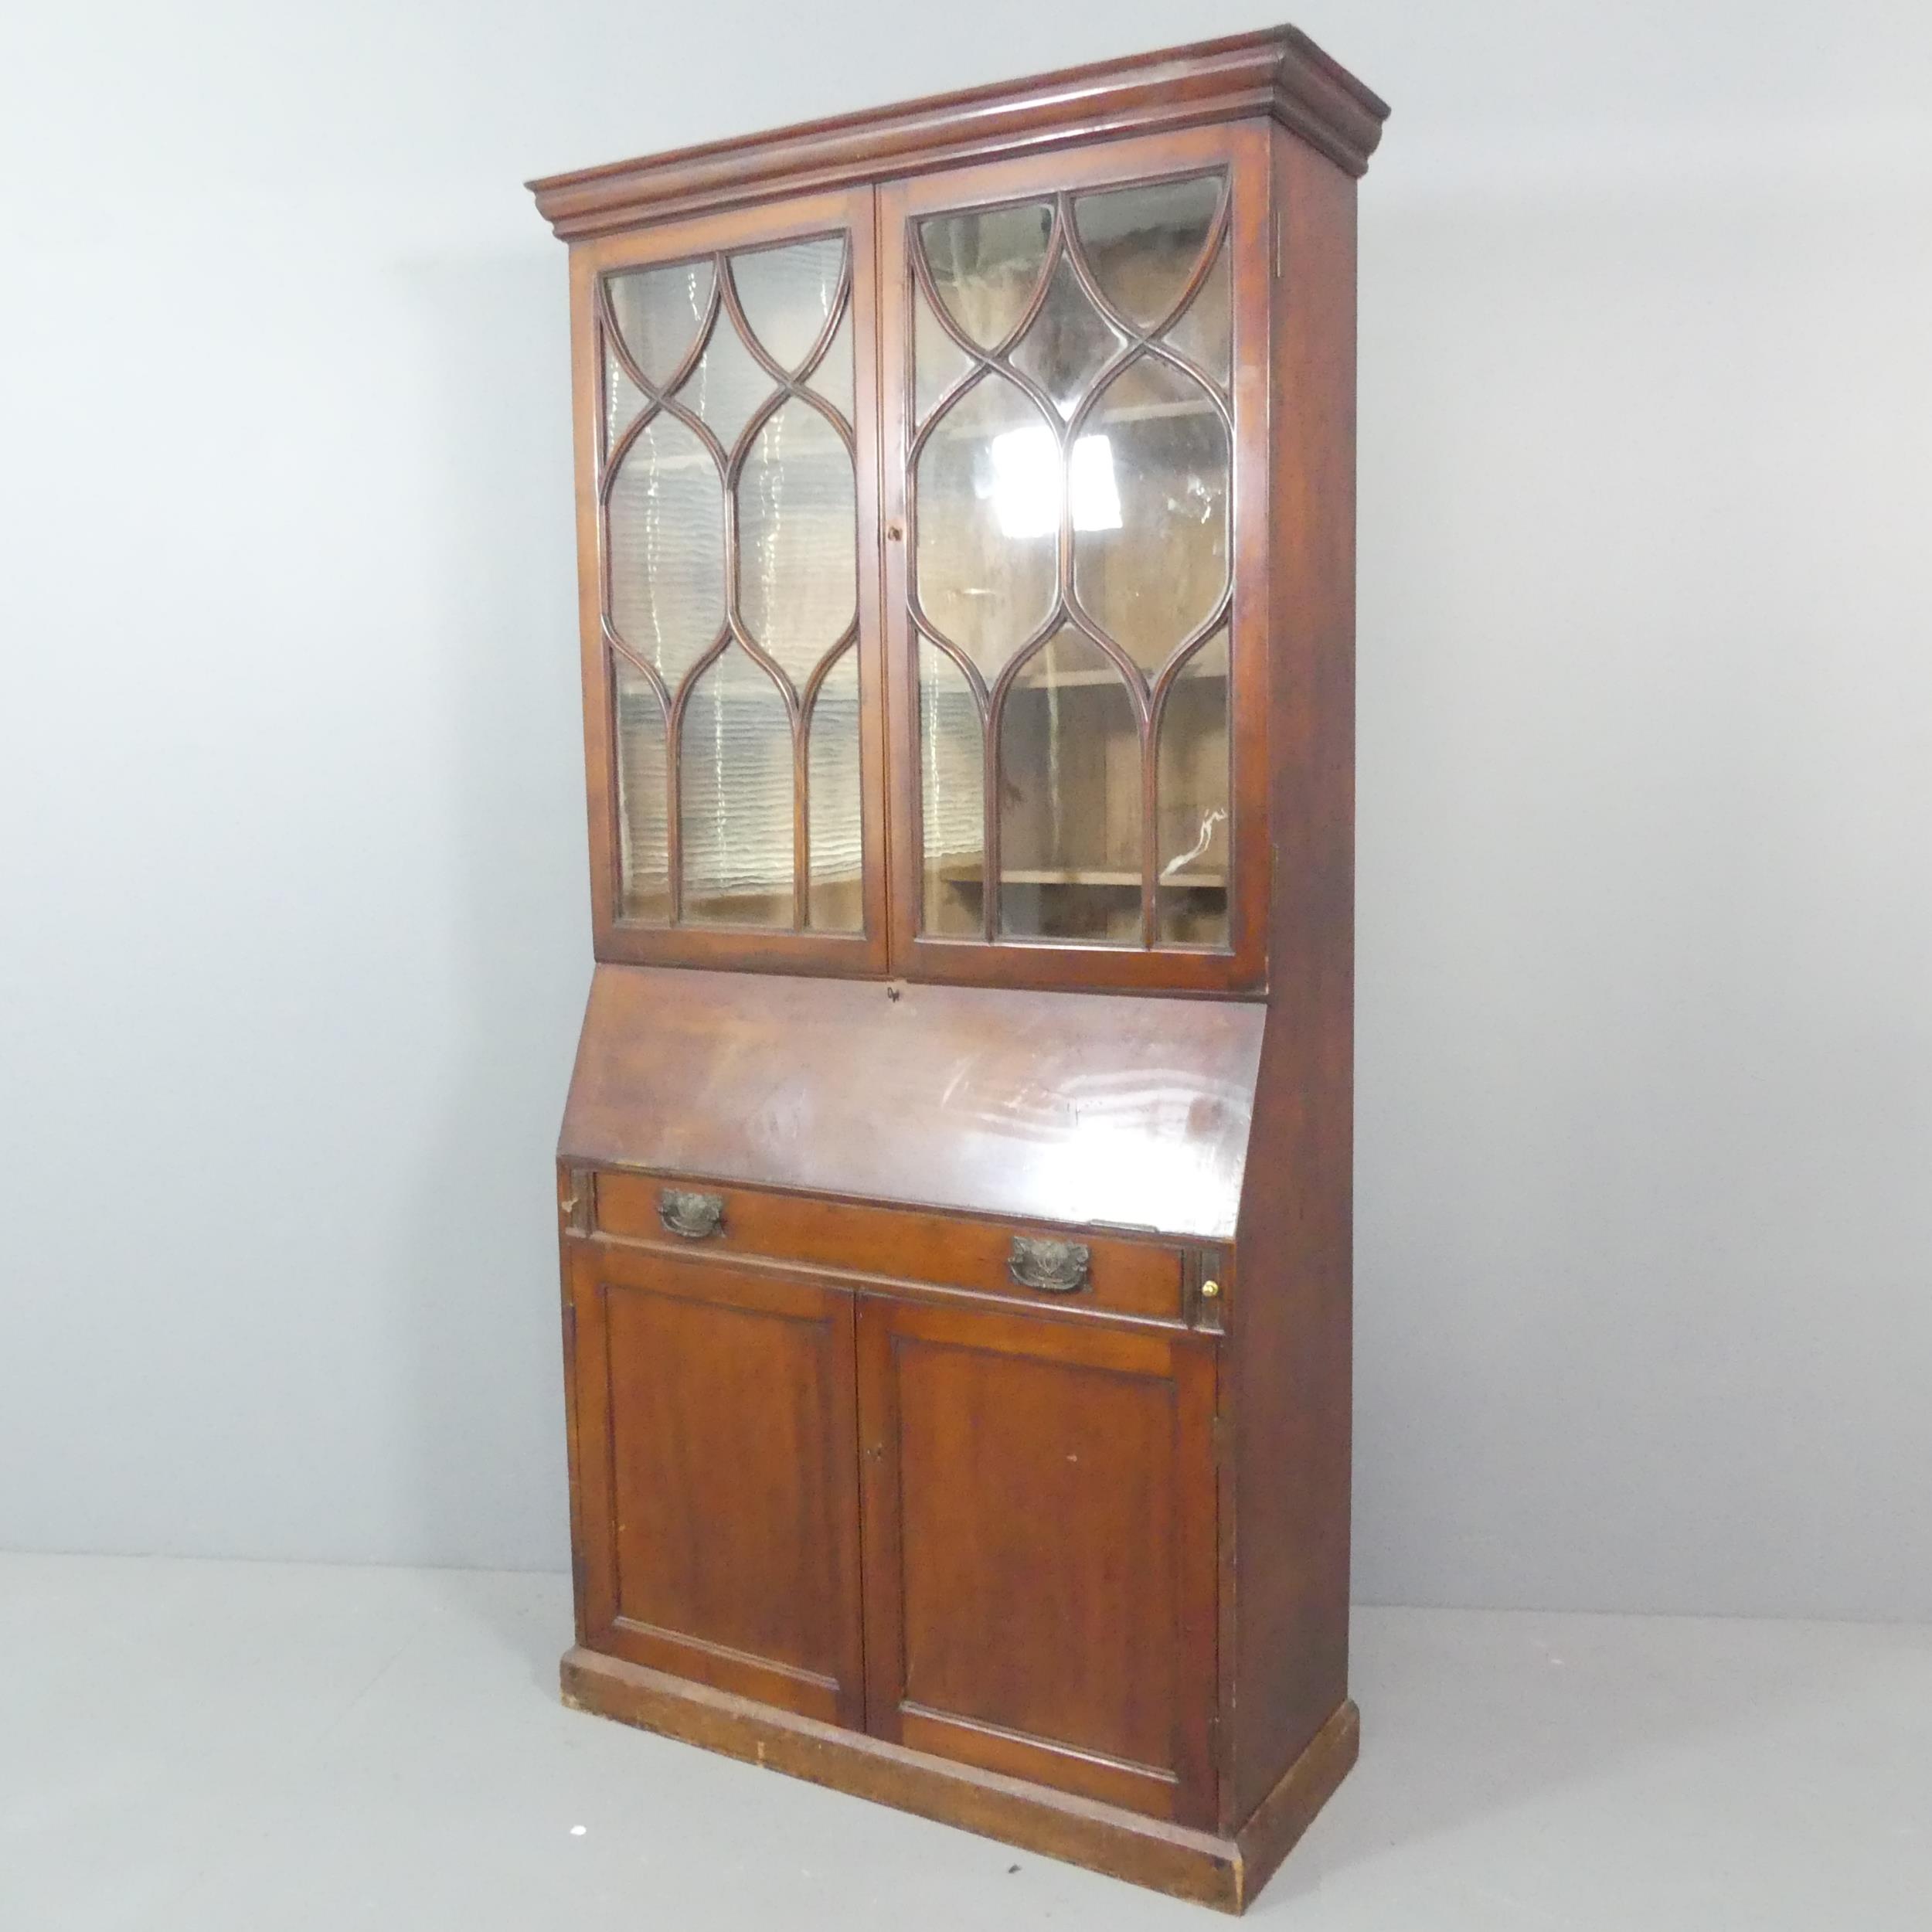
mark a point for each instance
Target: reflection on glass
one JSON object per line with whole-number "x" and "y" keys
{"x": 622, "y": 399}
{"x": 793, "y": 595}
{"x": 1142, "y": 488}
{"x": 735, "y": 782}
{"x": 982, "y": 588}
{"x": 659, "y": 311}
{"x": 787, "y": 294}
{"x": 1162, "y": 571}
{"x": 1205, "y": 333}
{"x": 1191, "y": 809}
{"x": 1068, "y": 343}
{"x": 938, "y": 361}
{"x": 1025, "y": 483}
{"x": 1143, "y": 243}
{"x": 986, "y": 263}
{"x": 727, "y": 385}
{"x": 951, "y": 799}
{"x": 797, "y": 561}
{"x": 1069, "y": 806}
{"x": 832, "y": 378}
{"x": 644, "y": 858}
{"x": 666, "y": 542}
{"x": 837, "y": 826}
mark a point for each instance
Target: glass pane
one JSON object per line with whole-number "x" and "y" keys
{"x": 659, "y": 311}
{"x": 986, "y": 263}
{"x": 1068, "y": 343}
{"x": 734, "y": 774}
{"x": 1069, "y": 799}
{"x": 1205, "y": 333}
{"x": 727, "y": 385}
{"x": 832, "y": 378}
{"x": 643, "y": 869}
{"x": 798, "y": 542}
{"x": 666, "y": 540}
{"x": 838, "y": 841}
{"x": 622, "y": 398}
{"x": 1159, "y": 571}
{"x": 952, "y": 794}
{"x": 1142, "y": 242}
{"x": 787, "y": 294}
{"x": 987, "y": 497}
{"x": 1192, "y": 811}
{"x": 938, "y": 361}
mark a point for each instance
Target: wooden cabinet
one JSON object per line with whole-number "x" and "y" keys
{"x": 955, "y": 1177}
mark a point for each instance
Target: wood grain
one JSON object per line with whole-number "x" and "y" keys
{"x": 1290, "y": 1398}
{"x": 846, "y": 1498}
{"x": 858, "y": 1240}
{"x": 1080, "y": 1109}
{"x": 1222, "y": 1871}
{"x": 1034, "y": 1600}
{"x": 1279, "y": 73}
{"x": 719, "y": 1476}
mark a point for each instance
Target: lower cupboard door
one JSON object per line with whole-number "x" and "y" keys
{"x": 717, "y": 1477}
{"x": 1040, "y": 1550}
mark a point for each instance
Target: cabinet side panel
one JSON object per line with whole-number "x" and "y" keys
{"x": 1290, "y": 1325}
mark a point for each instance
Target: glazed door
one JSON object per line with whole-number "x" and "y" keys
{"x": 729, "y": 563}
{"x": 717, "y": 1477}
{"x": 1039, "y": 1549}
{"x": 1075, "y": 350}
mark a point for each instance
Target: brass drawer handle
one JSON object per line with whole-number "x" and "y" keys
{"x": 1054, "y": 1268}
{"x": 692, "y": 1215}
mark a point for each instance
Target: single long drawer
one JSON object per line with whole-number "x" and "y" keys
{"x": 1072, "y": 1268}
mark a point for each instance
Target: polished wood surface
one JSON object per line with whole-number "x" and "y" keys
{"x": 1080, "y": 1110}
{"x": 1039, "y": 1560}
{"x": 1278, "y": 73}
{"x": 855, "y": 1491}
{"x": 1223, "y": 1870}
{"x": 714, "y": 1412}
{"x": 1140, "y": 1279}
{"x": 1291, "y": 1373}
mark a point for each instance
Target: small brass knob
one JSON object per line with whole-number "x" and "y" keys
{"x": 1209, "y": 1290}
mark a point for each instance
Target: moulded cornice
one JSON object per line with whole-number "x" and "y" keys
{"x": 1279, "y": 73}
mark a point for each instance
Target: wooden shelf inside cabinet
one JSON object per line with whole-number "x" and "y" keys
{"x": 974, "y": 877}
{"x": 1190, "y": 673}
{"x": 954, "y": 1184}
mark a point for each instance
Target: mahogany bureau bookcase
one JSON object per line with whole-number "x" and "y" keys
{"x": 954, "y": 1185}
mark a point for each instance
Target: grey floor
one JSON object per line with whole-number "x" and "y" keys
{"x": 215, "y": 1745}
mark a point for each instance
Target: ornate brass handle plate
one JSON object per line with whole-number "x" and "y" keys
{"x": 1053, "y": 1267}
{"x": 692, "y": 1215}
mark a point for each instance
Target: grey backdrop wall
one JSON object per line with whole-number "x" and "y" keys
{"x": 291, "y": 872}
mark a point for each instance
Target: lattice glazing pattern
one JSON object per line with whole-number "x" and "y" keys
{"x": 730, "y": 558}
{"x": 1071, "y": 471}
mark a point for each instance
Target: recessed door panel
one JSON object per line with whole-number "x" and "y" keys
{"x": 719, "y": 1477}
{"x": 1039, "y": 1549}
